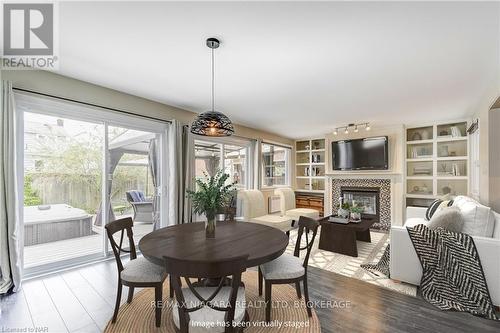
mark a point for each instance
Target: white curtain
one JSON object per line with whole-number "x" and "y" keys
{"x": 180, "y": 172}
{"x": 10, "y": 226}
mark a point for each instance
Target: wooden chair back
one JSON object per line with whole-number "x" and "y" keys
{"x": 123, "y": 226}
{"x": 306, "y": 225}
{"x": 221, "y": 270}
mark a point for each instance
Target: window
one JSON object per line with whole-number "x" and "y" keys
{"x": 275, "y": 165}
{"x": 234, "y": 161}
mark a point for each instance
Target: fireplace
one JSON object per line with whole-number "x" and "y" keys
{"x": 367, "y": 197}
{"x": 380, "y": 186}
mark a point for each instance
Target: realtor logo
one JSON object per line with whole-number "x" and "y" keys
{"x": 28, "y": 36}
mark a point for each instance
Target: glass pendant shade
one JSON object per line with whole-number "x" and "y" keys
{"x": 212, "y": 123}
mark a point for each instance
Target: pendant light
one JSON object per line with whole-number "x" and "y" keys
{"x": 212, "y": 123}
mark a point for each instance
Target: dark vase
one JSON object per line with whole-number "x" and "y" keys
{"x": 210, "y": 227}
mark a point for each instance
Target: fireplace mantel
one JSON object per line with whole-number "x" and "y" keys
{"x": 396, "y": 176}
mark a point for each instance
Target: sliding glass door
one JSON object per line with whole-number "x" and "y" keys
{"x": 62, "y": 188}
{"x": 85, "y": 167}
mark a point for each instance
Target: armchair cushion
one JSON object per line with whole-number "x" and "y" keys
{"x": 253, "y": 203}
{"x": 284, "y": 267}
{"x": 294, "y": 214}
{"x": 279, "y": 222}
{"x": 135, "y": 196}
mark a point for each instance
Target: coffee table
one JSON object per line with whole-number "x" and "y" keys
{"x": 341, "y": 238}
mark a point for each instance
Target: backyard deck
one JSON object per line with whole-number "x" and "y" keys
{"x": 47, "y": 253}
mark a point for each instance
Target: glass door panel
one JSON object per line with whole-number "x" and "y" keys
{"x": 62, "y": 189}
{"x": 133, "y": 178}
{"x": 235, "y": 165}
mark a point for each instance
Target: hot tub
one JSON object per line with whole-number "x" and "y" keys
{"x": 50, "y": 223}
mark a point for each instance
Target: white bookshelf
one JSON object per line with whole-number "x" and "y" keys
{"x": 310, "y": 166}
{"x": 436, "y": 161}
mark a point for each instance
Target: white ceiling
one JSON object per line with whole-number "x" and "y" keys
{"x": 295, "y": 69}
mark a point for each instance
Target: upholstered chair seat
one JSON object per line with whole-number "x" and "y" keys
{"x": 207, "y": 314}
{"x": 141, "y": 270}
{"x": 287, "y": 205}
{"x": 279, "y": 222}
{"x": 284, "y": 267}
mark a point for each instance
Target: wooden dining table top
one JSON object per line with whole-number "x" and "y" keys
{"x": 232, "y": 239}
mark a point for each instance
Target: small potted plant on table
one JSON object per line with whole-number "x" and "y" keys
{"x": 356, "y": 211}
{"x": 211, "y": 197}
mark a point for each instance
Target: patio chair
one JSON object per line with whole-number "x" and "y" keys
{"x": 143, "y": 208}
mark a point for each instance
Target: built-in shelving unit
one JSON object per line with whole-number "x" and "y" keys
{"x": 310, "y": 165}
{"x": 437, "y": 162}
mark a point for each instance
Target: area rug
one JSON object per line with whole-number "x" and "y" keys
{"x": 368, "y": 253}
{"x": 288, "y": 313}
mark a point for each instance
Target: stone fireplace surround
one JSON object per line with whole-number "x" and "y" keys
{"x": 384, "y": 187}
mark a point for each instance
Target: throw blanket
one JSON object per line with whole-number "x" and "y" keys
{"x": 453, "y": 278}
{"x": 382, "y": 265}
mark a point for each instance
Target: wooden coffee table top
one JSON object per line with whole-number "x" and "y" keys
{"x": 360, "y": 226}
{"x": 188, "y": 243}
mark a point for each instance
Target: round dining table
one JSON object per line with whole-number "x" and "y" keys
{"x": 188, "y": 242}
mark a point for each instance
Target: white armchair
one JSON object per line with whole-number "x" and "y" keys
{"x": 254, "y": 210}
{"x": 287, "y": 204}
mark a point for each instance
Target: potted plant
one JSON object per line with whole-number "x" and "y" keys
{"x": 343, "y": 211}
{"x": 211, "y": 197}
{"x": 356, "y": 212}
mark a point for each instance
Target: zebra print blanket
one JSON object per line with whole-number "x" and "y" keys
{"x": 453, "y": 278}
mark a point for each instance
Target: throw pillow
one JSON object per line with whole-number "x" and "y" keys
{"x": 436, "y": 205}
{"x": 496, "y": 229}
{"x": 449, "y": 218}
{"x": 479, "y": 220}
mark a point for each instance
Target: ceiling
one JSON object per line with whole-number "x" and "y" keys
{"x": 294, "y": 69}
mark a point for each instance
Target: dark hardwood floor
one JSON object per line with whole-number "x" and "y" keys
{"x": 81, "y": 300}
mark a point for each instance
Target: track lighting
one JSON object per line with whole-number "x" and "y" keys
{"x": 349, "y": 126}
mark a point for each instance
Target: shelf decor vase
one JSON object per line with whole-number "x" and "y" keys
{"x": 343, "y": 213}
{"x": 355, "y": 216}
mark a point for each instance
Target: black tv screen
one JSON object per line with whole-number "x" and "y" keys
{"x": 361, "y": 154}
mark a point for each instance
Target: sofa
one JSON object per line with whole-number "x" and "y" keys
{"x": 482, "y": 223}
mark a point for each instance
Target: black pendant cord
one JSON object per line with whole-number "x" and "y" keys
{"x": 213, "y": 82}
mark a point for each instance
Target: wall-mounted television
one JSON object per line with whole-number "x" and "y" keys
{"x": 361, "y": 154}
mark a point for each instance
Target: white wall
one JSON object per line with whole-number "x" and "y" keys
{"x": 62, "y": 86}
{"x": 494, "y": 159}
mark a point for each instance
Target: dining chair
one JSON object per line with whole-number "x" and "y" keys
{"x": 138, "y": 272}
{"x": 214, "y": 308}
{"x": 288, "y": 268}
